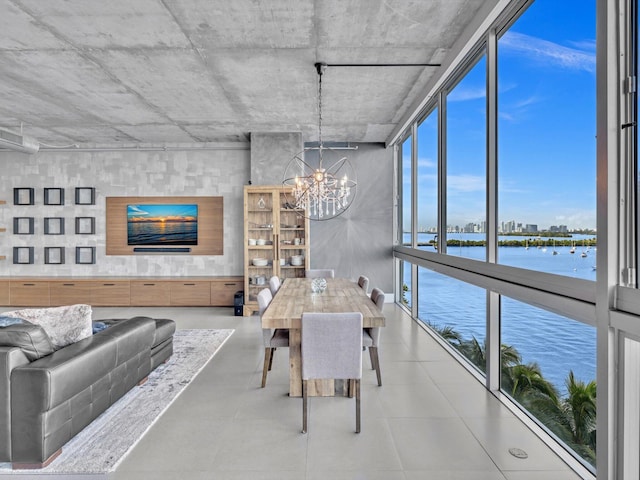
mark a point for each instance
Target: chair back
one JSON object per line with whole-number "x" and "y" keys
{"x": 363, "y": 283}
{"x": 264, "y": 299}
{"x": 377, "y": 296}
{"x": 331, "y": 345}
{"x": 319, "y": 273}
{"x": 274, "y": 284}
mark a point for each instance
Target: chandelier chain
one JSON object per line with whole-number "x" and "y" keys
{"x": 320, "y": 112}
{"x": 318, "y": 191}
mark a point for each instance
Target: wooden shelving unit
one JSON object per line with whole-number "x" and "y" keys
{"x": 280, "y": 233}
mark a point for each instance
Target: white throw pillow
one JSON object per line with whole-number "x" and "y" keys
{"x": 64, "y": 325}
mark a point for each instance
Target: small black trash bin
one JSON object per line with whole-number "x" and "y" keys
{"x": 238, "y": 303}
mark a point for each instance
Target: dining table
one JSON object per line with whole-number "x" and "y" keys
{"x": 295, "y": 297}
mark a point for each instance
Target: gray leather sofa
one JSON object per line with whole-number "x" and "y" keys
{"x": 45, "y": 402}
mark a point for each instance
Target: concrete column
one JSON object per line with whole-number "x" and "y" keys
{"x": 270, "y": 154}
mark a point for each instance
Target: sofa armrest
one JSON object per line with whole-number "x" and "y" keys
{"x": 10, "y": 358}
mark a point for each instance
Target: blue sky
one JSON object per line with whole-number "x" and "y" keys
{"x": 166, "y": 211}
{"x": 546, "y": 129}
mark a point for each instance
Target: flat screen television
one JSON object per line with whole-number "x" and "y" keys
{"x": 168, "y": 224}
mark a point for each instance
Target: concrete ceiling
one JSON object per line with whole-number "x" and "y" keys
{"x": 183, "y": 71}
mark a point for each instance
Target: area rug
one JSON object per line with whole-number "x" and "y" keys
{"x": 102, "y": 445}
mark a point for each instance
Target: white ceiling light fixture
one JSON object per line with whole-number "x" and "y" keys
{"x": 321, "y": 186}
{"x": 17, "y": 142}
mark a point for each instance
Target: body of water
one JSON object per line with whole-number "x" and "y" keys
{"x": 162, "y": 233}
{"x": 557, "y": 344}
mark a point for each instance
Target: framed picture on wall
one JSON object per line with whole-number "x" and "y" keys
{"x": 85, "y": 225}
{"x": 23, "y": 255}
{"x": 54, "y": 255}
{"x": 85, "y": 255}
{"x": 23, "y": 225}
{"x": 54, "y": 196}
{"x": 85, "y": 196}
{"x": 54, "y": 226}
{"x": 24, "y": 196}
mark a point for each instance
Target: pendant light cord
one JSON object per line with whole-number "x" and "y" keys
{"x": 320, "y": 69}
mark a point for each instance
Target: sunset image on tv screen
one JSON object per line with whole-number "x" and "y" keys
{"x": 170, "y": 224}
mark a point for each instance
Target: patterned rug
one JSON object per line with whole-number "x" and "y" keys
{"x": 103, "y": 444}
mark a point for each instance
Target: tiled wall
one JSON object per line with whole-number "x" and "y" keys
{"x": 217, "y": 172}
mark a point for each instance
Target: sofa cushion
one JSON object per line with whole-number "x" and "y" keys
{"x": 98, "y": 327}
{"x": 64, "y": 325}
{"x": 7, "y": 321}
{"x": 31, "y": 339}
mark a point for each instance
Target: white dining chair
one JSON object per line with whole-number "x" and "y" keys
{"x": 272, "y": 338}
{"x": 363, "y": 283}
{"x": 331, "y": 348}
{"x": 274, "y": 285}
{"x": 371, "y": 335}
{"x": 319, "y": 273}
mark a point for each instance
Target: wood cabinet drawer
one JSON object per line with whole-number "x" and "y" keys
{"x": 70, "y": 292}
{"x": 190, "y": 293}
{"x": 29, "y": 293}
{"x": 222, "y": 292}
{"x": 150, "y": 293}
{"x": 111, "y": 294}
{"x": 4, "y": 293}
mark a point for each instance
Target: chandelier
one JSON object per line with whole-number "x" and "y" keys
{"x": 320, "y": 182}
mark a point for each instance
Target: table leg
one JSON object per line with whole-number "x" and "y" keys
{"x": 295, "y": 363}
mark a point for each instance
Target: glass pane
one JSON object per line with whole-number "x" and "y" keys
{"x": 466, "y": 165}
{"x": 405, "y": 288}
{"x": 630, "y": 408}
{"x": 549, "y": 367}
{"x": 547, "y": 139}
{"x": 406, "y": 191}
{"x": 428, "y": 181}
{"x": 439, "y": 296}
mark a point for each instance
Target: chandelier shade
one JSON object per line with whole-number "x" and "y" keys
{"x": 320, "y": 181}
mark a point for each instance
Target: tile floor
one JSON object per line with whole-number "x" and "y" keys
{"x": 430, "y": 419}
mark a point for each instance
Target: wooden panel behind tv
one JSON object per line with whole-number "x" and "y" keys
{"x": 210, "y": 224}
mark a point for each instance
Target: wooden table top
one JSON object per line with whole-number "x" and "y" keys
{"x": 295, "y": 297}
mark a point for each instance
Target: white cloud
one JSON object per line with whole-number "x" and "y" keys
{"x": 580, "y": 58}
{"x": 427, "y": 163}
{"x": 465, "y": 183}
{"x": 460, "y": 94}
{"x": 137, "y": 210}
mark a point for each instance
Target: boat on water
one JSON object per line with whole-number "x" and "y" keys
{"x": 573, "y": 247}
{"x": 555, "y": 252}
{"x": 584, "y": 251}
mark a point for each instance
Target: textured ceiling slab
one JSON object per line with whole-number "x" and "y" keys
{"x": 176, "y": 70}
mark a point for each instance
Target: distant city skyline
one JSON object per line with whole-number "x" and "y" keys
{"x": 504, "y": 227}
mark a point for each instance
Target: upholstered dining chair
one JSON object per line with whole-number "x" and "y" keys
{"x": 371, "y": 335}
{"x": 331, "y": 347}
{"x": 272, "y": 338}
{"x": 363, "y": 283}
{"x": 274, "y": 285}
{"x": 319, "y": 273}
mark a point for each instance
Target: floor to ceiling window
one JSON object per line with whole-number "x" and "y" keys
{"x": 538, "y": 70}
{"x": 427, "y": 184}
{"x": 461, "y": 323}
{"x": 546, "y": 139}
{"x": 406, "y": 189}
{"x": 548, "y": 365}
{"x": 466, "y": 164}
